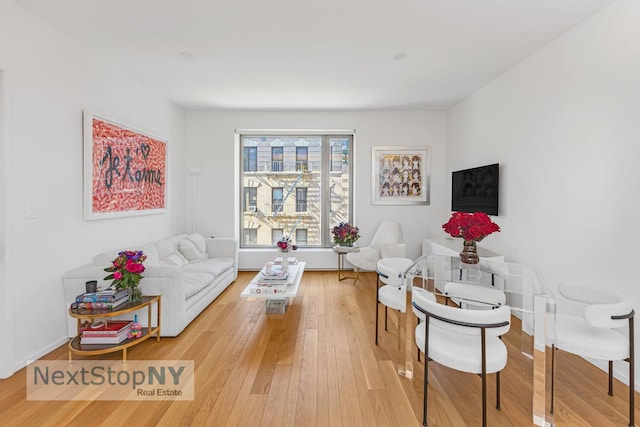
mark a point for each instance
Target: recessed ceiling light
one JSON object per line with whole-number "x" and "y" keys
{"x": 399, "y": 56}
{"x": 187, "y": 55}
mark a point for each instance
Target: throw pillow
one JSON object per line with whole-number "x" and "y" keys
{"x": 199, "y": 241}
{"x": 189, "y": 250}
{"x": 175, "y": 259}
{"x": 152, "y": 254}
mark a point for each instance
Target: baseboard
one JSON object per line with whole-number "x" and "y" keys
{"x": 37, "y": 355}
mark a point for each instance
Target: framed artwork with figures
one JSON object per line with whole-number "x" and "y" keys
{"x": 125, "y": 170}
{"x": 400, "y": 175}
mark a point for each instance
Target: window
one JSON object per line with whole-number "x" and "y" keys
{"x": 301, "y": 236}
{"x": 302, "y": 153}
{"x": 276, "y": 234}
{"x": 305, "y": 179}
{"x": 301, "y": 199}
{"x": 277, "y": 159}
{"x": 250, "y": 236}
{"x": 277, "y": 200}
{"x": 250, "y": 159}
{"x": 250, "y": 199}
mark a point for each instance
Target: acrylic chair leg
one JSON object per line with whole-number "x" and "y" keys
{"x": 484, "y": 379}
{"x": 418, "y": 348}
{"x": 377, "y": 305}
{"x": 553, "y": 375}
{"x": 631, "y": 374}
{"x": 631, "y": 393}
{"x": 377, "y": 309}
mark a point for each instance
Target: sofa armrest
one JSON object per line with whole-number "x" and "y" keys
{"x": 225, "y": 247}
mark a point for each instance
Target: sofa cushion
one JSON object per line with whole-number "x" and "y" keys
{"x": 152, "y": 254}
{"x": 168, "y": 246}
{"x": 175, "y": 259}
{"x": 105, "y": 258}
{"x": 189, "y": 250}
{"x": 215, "y": 266}
{"x": 199, "y": 241}
{"x": 195, "y": 282}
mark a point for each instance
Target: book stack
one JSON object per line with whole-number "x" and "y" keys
{"x": 112, "y": 332}
{"x": 102, "y": 300}
{"x": 274, "y": 282}
{"x": 275, "y": 277}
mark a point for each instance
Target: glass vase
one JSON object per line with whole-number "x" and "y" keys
{"x": 469, "y": 254}
{"x": 134, "y": 294}
{"x": 285, "y": 261}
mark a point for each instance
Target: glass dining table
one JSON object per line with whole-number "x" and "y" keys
{"x": 483, "y": 286}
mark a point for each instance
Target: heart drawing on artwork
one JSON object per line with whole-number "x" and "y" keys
{"x": 145, "y": 148}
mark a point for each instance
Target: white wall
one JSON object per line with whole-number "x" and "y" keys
{"x": 49, "y": 81}
{"x": 564, "y": 125}
{"x": 210, "y": 147}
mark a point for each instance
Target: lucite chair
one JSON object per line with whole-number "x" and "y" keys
{"x": 595, "y": 334}
{"x": 461, "y": 339}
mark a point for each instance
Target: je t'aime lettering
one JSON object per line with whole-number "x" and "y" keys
{"x": 128, "y": 169}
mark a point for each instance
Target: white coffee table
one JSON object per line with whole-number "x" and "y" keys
{"x": 276, "y": 303}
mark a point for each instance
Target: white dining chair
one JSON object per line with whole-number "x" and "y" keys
{"x": 392, "y": 292}
{"x": 596, "y": 334}
{"x": 461, "y": 339}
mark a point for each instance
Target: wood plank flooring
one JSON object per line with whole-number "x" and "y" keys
{"x": 317, "y": 365}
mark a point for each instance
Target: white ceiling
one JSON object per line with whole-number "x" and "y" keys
{"x": 314, "y": 54}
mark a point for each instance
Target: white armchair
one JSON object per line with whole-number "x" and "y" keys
{"x": 386, "y": 243}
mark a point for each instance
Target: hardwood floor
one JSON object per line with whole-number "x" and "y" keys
{"x": 317, "y": 365}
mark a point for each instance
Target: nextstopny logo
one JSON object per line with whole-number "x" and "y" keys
{"x": 110, "y": 380}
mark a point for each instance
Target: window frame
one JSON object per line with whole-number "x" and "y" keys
{"x": 324, "y": 201}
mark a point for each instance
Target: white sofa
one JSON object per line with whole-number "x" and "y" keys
{"x": 188, "y": 284}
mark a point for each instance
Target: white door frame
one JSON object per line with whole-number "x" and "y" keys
{"x": 7, "y": 278}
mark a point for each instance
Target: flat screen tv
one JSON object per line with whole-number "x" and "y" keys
{"x": 476, "y": 190}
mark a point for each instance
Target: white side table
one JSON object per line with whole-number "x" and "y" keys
{"x": 342, "y": 251}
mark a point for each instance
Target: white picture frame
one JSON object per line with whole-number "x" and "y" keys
{"x": 400, "y": 175}
{"x": 124, "y": 170}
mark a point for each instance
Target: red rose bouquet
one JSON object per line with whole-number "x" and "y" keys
{"x": 284, "y": 244}
{"x": 472, "y": 227}
{"x": 126, "y": 272}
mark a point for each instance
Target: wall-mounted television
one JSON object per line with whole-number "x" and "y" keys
{"x": 476, "y": 189}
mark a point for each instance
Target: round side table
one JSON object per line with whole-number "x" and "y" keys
{"x": 342, "y": 251}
